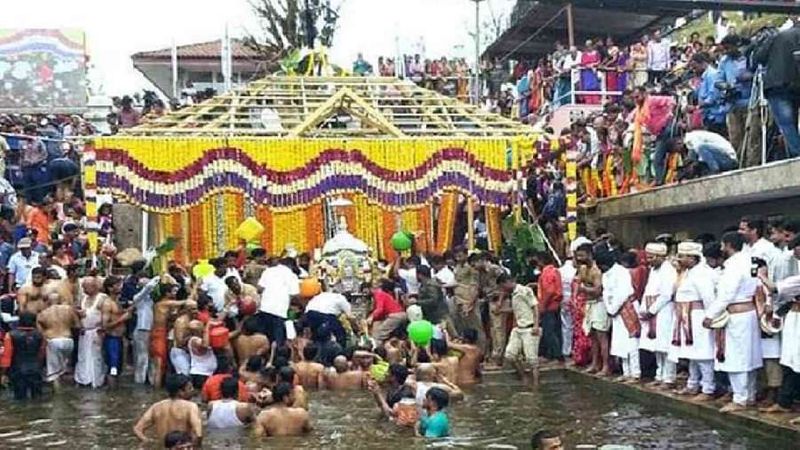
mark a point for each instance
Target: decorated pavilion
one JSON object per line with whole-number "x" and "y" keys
{"x": 282, "y": 148}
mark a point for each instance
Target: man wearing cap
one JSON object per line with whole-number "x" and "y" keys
{"x": 690, "y": 340}
{"x": 21, "y": 264}
{"x": 739, "y": 340}
{"x": 657, "y": 312}
{"x": 618, "y": 289}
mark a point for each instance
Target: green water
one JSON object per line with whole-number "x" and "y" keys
{"x": 499, "y": 413}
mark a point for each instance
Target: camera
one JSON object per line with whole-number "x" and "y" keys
{"x": 729, "y": 92}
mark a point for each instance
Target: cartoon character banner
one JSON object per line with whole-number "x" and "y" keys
{"x": 42, "y": 71}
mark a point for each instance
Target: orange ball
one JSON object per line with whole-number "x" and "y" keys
{"x": 309, "y": 287}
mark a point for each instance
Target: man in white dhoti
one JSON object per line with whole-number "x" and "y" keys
{"x": 657, "y": 311}
{"x": 617, "y": 290}
{"x": 690, "y": 340}
{"x": 739, "y": 341}
{"x": 56, "y": 323}
{"x": 91, "y": 369}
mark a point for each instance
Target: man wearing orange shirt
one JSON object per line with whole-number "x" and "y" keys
{"x": 550, "y": 296}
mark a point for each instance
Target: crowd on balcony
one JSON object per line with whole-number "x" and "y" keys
{"x": 665, "y": 112}
{"x": 449, "y": 76}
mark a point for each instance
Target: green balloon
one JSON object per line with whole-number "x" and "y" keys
{"x": 420, "y": 332}
{"x": 401, "y": 242}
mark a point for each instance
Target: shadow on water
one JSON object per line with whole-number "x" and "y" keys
{"x": 496, "y": 414}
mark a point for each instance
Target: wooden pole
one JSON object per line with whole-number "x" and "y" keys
{"x": 470, "y": 223}
{"x": 570, "y": 26}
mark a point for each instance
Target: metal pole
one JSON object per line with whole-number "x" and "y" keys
{"x": 477, "y": 51}
{"x": 570, "y": 26}
{"x": 174, "y": 71}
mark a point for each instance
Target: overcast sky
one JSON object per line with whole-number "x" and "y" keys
{"x": 116, "y": 29}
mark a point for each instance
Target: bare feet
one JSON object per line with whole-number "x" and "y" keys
{"x": 775, "y": 409}
{"x": 687, "y": 391}
{"x": 592, "y": 370}
{"x": 631, "y": 381}
{"x": 795, "y": 421}
{"x": 727, "y": 398}
{"x": 620, "y": 379}
{"x": 667, "y": 386}
{"x": 732, "y": 407}
{"x": 606, "y": 373}
{"x": 702, "y": 398}
{"x": 653, "y": 384}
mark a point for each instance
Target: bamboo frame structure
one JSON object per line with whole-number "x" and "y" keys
{"x": 332, "y": 107}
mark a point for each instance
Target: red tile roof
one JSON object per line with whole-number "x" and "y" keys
{"x": 201, "y": 50}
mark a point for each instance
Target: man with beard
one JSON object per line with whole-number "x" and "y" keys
{"x": 31, "y": 297}
{"x": 739, "y": 342}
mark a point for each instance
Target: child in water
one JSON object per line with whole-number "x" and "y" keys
{"x": 435, "y": 423}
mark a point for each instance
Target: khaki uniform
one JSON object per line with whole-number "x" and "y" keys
{"x": 465, "y": 297}
{"x": 487, "y": 283}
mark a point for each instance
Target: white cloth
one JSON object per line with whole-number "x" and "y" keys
{"x": 141, "y": 356}
{"x": 143, "y": 303}
{"x": 658, "y": 57}
{"x": 91, "y": 369}
{"x": 665, "y": 369}
{"x": 742, "y": 333}
{"x": 617, "y": 288}
{"x": 180, "y": 359}
{"x": 446, "y": 277}
{"x": 223, "y": 414}
{"x": 279, "y": 284}
{"x": 630, "y": 365}
{"x": 767, "y": 251}
{"x": 329, "y": 303}
{"x": 790, "y": 350}
{"x": 409, "y": 276}
{"x": 59, "y": 352}
{"x": 701, "y": 375}
{"x": 694, "y": 139}
{"x": 21, "y": 267}
{"x": 697, "y": 284}
{"x": 743, "y": 385}
{"x": 216, "y": 288}
{"x": 232, "y": 272}
{"x": 660, "y": 284}
{"x": 567, "y": 272}
{"x": 204, "y": 364}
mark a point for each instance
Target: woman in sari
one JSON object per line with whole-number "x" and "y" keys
{"x": 590, "y": 60}
{"x": 612, "y": 68}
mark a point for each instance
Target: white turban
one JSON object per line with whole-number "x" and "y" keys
{"x": 580, "y": 240}
{"x": 656, "y": 248}
{"x": 691, "y": 249}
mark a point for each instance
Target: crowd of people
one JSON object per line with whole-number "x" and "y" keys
{"x": 665, "y": 112}
{"x": 447, "y": 76}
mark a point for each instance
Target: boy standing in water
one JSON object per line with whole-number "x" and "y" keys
{"x": 435, "y": 423}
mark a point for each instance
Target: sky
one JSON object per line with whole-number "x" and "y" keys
{"x": 115, "y": 29}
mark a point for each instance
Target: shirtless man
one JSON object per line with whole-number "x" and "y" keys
{"x": 68, "y": 289}
{"x": 281, "y": 419}
{"x": 341, "y": 378}
{"x": 162, "y": 310}
{"x": 248, "y": 341}
{"x": 179, "y": 353}
{"x": 31, "y": 297}
{"x": 177, "y": 413}
{"x": 446, "y": 365}
{"x": 469, "y": 364}
{"x": 114, "y": 318}
{"x": 286, "y": 375}
{"x": 56, "y": 323}
{"x": 310, "y": 372}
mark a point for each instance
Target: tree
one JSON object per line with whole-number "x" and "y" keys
{"x": 288, "y": 25}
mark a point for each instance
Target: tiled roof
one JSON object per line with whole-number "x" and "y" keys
{"x": 201, "y": 50}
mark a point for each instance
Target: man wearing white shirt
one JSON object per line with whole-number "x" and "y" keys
{"x": 690, "y": 340}
{"x": 618, "y": 289}
{"x": 143, "y": 303}
{"x": 325, "y": 308}
{"x": 214, "y": 284}
{"x": 739, "y": 350}
{"x": 21, "y": 264}
{"x": 657, "y": 312}
{"x": 658, "y": 58}
{"x": 756, "y": 246}
{"x": 279, "y": 285}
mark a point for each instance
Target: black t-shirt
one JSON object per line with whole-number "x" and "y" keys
{"x": 327, "y": 352}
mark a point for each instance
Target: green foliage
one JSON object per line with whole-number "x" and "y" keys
{"x": 519, "y": 239}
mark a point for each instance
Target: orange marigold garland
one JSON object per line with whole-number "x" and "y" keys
{"x": 315, "y": 234}
{"x": 446, "y": 219}
{"x": 493, "y": 227}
